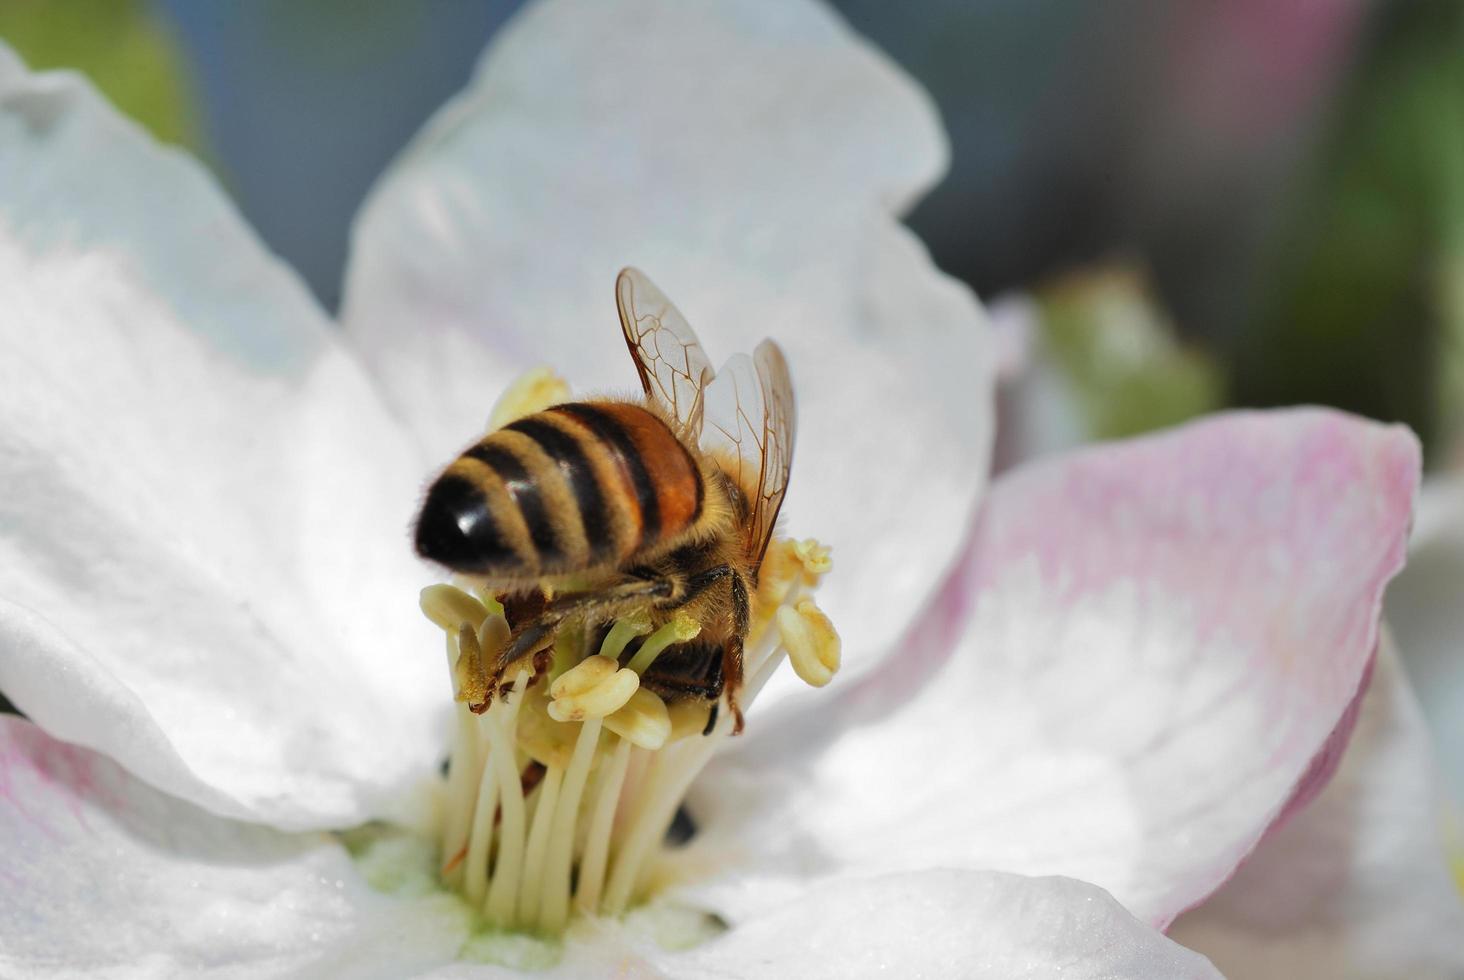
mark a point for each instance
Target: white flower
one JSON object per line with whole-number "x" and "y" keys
{"x": 208, "y": 609}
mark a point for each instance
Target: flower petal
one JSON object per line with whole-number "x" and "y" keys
{"x": 945, "y": 923}
{"x": 749, "y": 157}
{"x": 105, "y": 876}
{"x": 203, "y": 565}
{"x": 1163, "y": 635}
{"x": 1357, "y": 885}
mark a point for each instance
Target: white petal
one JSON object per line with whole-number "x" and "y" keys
{"x": 1428, "y": 619}
{"x": 105, "y": 876}
{"x": 1165, "y": 637}
{"x": 749, "y": 157}
{"x": 204, "y": 570}
{"x": 1356, "y": 885}
{"x": 945, "y": 924}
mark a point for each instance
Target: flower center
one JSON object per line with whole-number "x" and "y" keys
{"x": 560, "y": 794}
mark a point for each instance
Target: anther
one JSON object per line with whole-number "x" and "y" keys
{"x": 643, "y": 720}
{"x": 812, "y": 642}
{"x": 533, "y": 391}
{"x": 469, "y": 674}
{"x": 449, "y": 607}
{"x": 688, "y": 717}
{"x": 593, "y": 688}
{"x": 814, "y": 558}
{"x": 543, "y": 738}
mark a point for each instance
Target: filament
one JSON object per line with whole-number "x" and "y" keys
{"x": 559, "y": 794}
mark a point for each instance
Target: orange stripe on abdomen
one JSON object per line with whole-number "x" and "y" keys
{"x": 673, "y": 473}
{"x": 656, "y": 470}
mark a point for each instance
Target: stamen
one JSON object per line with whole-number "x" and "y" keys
{"x": 597, "y": 847}
{"x": 469, "y": 672}
{"x": 449, "y": 607}
{"x": 679, "y": 630}
{"x": 615, "y": 758}
{"x": 813, "y": 646}
{"x": 538, "y": 846}
{"x": 504, "y": 888}
{"x": 622, "y": 632}
{"x": 593, "y": 688}
{"x": 643, "y": 721}
{"x": 533, "y": 391}
{"x": 687, "y": 718}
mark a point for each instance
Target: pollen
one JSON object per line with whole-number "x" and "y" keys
{"x": 563, "y": 782}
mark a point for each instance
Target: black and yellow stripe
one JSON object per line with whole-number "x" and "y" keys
{"x": 579, "y": 486}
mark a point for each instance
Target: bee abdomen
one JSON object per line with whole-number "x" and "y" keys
{"x": 577, "y": 486}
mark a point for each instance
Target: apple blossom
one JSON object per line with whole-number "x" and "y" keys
{"x": 1054, "y": 732}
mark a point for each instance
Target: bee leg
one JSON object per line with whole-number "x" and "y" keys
{"x": 538, "y": 633}
{"x": 729, "y": 677}
{"x": 732, "y": 652}
{"x": 606, "y": 603}
{"x": 718, "y": 684}
{"x": 701, "y": 679}
{"x": 732, "y": 669}
{"x": 700, "y": 582}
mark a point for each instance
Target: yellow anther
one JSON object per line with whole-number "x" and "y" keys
{"x": 489, "y": 600}
{"x": 468, "y": 672}
{"x": 814, "y": 558}
{"x": 643, "y": 720}
{"x": 450, "y": 607}
{"x": 626, "y": 628}
{"x": 812, "y": 642}
{"x": 583, "y": 676}
{"x": 788, "y": 564}
{"x": 679, "y": 630}
{"x": 534, "y": 391}
{"x": 542, "y": 738}
{"x": 593, "y": 688}
{"x": 687, "y": 718}
{"x": 493, "y": 635}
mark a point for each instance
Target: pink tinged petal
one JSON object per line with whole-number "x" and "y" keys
{"x": 104, "y": 876}
{"x": 1357, "y": 885}
{"x": 1163, "y": 636}
{"x": 204, "y": 569}
{"x": 750, "y": 157}
{"x": 946, "y": 923}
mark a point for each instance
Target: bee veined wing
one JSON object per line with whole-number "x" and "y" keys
{"x": 673, "y": 368}
{"x": 751, "y": 424}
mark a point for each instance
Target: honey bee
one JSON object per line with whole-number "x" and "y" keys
{"x": 599, "y": 508}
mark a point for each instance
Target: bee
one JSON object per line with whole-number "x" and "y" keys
{"x": 596, "y": 509}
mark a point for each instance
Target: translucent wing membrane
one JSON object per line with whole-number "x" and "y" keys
{"x": 673, "y": 368}
{"x": 751, "y": 401}
{"x": 751, "y": 426}
{"x": 780, "y": 421}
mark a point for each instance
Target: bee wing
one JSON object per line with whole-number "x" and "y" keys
{"x": 673, "y": 368}
{"x": 752, "y": 422}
